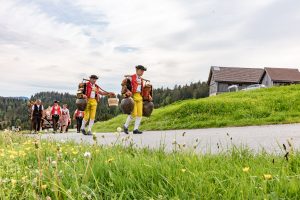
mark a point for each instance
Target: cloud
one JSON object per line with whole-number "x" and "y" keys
{"x": 52, "y": 44}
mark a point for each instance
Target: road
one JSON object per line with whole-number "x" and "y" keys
{"x": 270, "y": 138}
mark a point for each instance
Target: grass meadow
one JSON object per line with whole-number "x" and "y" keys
{"x": 36, "y": 169}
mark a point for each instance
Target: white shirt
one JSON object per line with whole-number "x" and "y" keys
{"x": 139, "y": 81}
{"x": 38, "y": 107}
{"x": 93, "y": 93}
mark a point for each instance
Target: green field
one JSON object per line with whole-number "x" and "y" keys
{"x": 264, "y": 106}
{"x": 34, "y": 169}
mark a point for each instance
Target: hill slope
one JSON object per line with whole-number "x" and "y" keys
{"x": 257, "y": 107}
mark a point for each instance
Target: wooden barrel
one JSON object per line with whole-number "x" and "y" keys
{"x": 127, "y": 105}
{"x": 81, "y": 104}
{"x": 148, "y": 107}
{"x": 113, "y": 101}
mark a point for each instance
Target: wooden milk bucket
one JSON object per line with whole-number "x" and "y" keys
{"x": 113, "y": 101}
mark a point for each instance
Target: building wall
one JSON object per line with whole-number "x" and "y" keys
{"x": 213, "y": 87}
{"x": 267, "y": 81}
{"x": 223, "y": 87}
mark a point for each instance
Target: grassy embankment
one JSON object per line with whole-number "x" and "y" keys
{"x": 258, "y": 107}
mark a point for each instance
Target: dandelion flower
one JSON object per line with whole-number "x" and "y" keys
{"x": 246, "y": 169}
{"x": 44, "y": 187}
{"x": 267, "y": 176}
{"x": 110, "y": 160}
{"x": 13, "y": 181}
{"x": 183, "y": 170}
{"x": 87, "y": 154}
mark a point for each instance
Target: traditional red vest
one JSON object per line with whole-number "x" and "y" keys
{"x": 55, "y": 109}
{"x": 78, "y": 113}
{"x": 89, "y": 88}
{"x": 134, "y": 83}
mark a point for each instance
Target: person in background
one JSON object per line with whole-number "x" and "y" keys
{"x": 78, "y": 116}
{"x": 69, "y": 124}
{"x": 65, "y": 118}
{"x": 55, "y": 115}
{"x": 37, "y": 113}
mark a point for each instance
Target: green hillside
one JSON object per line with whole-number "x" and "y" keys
{"x": 264, "y": 106}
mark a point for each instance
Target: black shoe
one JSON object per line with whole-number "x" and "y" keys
{"x": 78, "y": 131}
{"x": 137, "y": 132}
{"x": 89, "y": 133}
{"x": 125, "y": 129}
{"x": 83, "y": 131}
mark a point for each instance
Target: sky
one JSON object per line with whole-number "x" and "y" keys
{"x": 50, "y": 45}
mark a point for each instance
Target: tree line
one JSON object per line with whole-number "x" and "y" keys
{"x": 14, "y": 111}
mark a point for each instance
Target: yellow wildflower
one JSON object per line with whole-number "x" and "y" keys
{"x": 110, "y": 160}
{"x": 267, "y": 176}
{"x": 246, "y": 169}
{"x": 13, "y": 181}
{"x": 44, "y": 187}
{"x": 183, "y": 170}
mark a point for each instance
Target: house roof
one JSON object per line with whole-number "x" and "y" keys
{"x": 236, "y": 74}
{"x": 283, "y": 74}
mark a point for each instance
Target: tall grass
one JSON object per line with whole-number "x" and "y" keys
{"x": 35, "y": 169}
{"x": 264, "y": 106}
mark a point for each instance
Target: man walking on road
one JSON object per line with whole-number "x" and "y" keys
{"x": 37, "y": 114}
{"x": 92, "y": 93}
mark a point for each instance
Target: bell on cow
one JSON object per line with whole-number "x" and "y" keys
{"x": 127, "y": 105}
{"x": 81, "y": 104}
{"x": 148, "y": 107}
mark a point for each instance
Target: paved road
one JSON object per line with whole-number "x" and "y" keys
{"x": 269, "y": 138}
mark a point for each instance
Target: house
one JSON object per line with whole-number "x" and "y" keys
{"x": 280, "y": 76}
{"x": 220, "y": 78}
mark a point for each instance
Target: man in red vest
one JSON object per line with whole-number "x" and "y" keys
{"x": 56, "y": 114}
{"x": 135, "y": 91}
{"x": 78, "y": 116}
{"x": 92, "y": 93}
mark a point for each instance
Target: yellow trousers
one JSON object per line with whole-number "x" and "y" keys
{"x": 138, "y": 105}
{"x": 90, "y": 110}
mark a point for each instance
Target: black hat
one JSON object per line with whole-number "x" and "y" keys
{"x": 56, "y": 101}
{"x": 141, "y": 67}
{"x": 94, "y": 77}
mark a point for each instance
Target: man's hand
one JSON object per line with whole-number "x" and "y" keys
{"x": 111, "y": 94}
{"x": 84, "y": 96}
{"x": 128, "y": 94}
{"x": 150, "y": 98}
